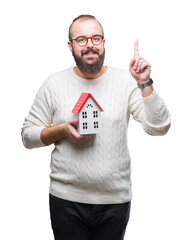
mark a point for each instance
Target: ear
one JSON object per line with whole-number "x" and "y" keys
{"x": 70, "y": 45}
{"x": 104, "y": 40}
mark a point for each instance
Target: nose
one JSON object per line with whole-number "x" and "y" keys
{"x": 89, "y": 43}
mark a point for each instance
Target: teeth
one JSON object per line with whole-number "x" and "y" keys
{"x": 90, "y": 53}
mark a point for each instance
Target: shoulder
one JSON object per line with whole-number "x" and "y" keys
{"x": 54, "y": 80}
{"x": 61, "y": 75}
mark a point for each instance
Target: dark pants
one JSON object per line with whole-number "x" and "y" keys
{"x": 79, "y": 221}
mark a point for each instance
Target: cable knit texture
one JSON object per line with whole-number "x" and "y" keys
{"x": 97, "y": 168}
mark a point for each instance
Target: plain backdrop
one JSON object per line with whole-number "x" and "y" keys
{"x": 33, "y": 44}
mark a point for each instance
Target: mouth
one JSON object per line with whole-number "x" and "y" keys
{"x": 89, "y": 52}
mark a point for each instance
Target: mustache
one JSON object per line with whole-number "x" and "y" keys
{"x": 89, "y": 50}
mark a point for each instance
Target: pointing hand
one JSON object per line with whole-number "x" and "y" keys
{"x": 139, "y": 68}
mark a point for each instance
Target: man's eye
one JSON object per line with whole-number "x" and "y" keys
{"x": 80, "y": 40}
{"x": 96, "y": 39}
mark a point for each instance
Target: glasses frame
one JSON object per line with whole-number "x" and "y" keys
{"x": 75, "y": 39}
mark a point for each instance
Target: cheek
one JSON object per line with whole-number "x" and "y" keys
{"x": 77, "y": 51}
{"x": 101, "y": 48}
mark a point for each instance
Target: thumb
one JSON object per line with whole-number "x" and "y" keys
{"x": 74, "y": 122}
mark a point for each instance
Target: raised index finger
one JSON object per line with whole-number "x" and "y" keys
{"x": 136, "y": 49}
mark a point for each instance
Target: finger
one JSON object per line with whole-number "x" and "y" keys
{"x": 74, "y": 135}
{"x": 145, "y": 65}
{"x": 132, "y": 62}
{"x": 136, "y": 49}
{"x": 139, "y": 65}
{"x": 73, "y": 131}
{"x": 136, "y": 63}
{"x": 73, "y": 121}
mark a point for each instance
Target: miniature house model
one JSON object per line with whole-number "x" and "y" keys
{"x": 89, "y": 114}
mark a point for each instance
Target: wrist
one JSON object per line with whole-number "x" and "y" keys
{"x": 146, "y": 87}
{"x": 53, "y": 134}
{"x": 61, "y": 128}
{"x": 147, "y": 83}
{"x": 147, "y": 91}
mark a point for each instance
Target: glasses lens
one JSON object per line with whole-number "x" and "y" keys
{"x": 81, "y": 41}
{"x": 97, "y": 39}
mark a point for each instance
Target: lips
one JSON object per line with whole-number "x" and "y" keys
{"x": 89, "y": 52}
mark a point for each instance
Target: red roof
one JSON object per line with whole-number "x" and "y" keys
{"x": 81, "y": 101}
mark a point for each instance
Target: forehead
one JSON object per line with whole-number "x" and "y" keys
{"x": 84, "y": 27}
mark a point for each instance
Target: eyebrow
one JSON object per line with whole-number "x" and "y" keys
{"x": 96, "y": 34}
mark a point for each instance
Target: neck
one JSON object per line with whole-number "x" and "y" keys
{"x": 89, "y": 75}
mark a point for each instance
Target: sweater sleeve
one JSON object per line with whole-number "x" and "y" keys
{"x": 151, "y": 112}
{"x": 40, "y": 116}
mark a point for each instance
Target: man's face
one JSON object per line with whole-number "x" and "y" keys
{"x": 89, "y": 58}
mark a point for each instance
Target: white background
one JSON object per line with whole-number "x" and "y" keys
{"x": 33, "y": 44}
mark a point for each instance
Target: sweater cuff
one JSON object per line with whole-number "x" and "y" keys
{"x": 153, "y": 106}
{"x": 151, "y": 99}
{"x": 32, "y": 137}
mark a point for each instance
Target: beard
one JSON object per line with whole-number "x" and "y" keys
{"x": 85, "y": 67}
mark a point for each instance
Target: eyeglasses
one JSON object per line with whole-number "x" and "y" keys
{"x": 82, "y": 40}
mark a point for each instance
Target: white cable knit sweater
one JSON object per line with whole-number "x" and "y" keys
{"x": 96, "y": 169}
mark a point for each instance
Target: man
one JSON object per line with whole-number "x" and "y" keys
{"x": 90, "y": 189}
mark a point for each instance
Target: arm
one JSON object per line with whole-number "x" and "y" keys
{"x": 145, "y": 105}
{"x": 37, "y": 129}
{"x": 40, "y": 116}
{"x": 150, "y": 111}
{"x": 147, "y": 91}
{"x": 56, "y": 133}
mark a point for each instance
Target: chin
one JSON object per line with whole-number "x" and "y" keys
{"x": 91, "y": 60}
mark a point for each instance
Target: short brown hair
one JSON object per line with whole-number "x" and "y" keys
{"x": 85, "y": 16}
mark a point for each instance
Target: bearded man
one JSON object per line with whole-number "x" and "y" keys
{"x": 90, "y": 188}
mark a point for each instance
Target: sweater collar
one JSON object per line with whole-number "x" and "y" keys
{"x": 85, "y": 80}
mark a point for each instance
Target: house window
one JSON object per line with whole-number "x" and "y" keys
{"x": 96, "y": 125}
{"x": 95, "y": 114}
{"x": 84, "y": 114}
{"x": 84, "y": 125}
